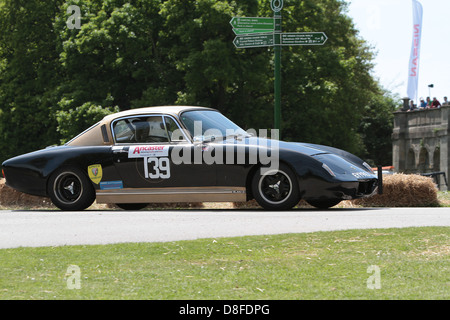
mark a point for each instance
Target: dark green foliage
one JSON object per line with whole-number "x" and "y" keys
{"x": 56, "y": 82}
{"x": 28, "y": 75}
{"x": 376, "y": 129}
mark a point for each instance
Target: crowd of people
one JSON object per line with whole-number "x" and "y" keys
{"x": 428, "y": 104}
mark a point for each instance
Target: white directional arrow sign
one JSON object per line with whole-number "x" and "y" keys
{"x": 253, "y": 23}
{"x": 303, "y": 38}
{"x": 252, "y": 41}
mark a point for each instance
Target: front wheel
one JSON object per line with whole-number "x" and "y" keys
{"x": 70, "y": 189}
{"x": 276, "y": 189}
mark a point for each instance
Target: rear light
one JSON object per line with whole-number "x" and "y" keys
{"x": 3, "y": 173}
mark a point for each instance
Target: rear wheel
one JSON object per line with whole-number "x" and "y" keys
{"x": 277, "y": 189}
{"x": 324, "y": 204}
{"x": 70, "y": 189}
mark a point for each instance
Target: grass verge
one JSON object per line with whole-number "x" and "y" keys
{"x": 410, "y": 263}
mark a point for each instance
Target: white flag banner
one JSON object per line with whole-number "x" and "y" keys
{"x": 413, "y": 71}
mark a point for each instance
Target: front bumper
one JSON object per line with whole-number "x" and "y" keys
{"x": 346, "y": 190}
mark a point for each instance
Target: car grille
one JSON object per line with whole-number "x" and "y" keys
{"x": 366, "y": 187}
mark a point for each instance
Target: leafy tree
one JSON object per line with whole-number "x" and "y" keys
{"x": 109, "y": 62}
{"x": 376, "y": 127}
{"x": 214, "y": 73}
{"x": 28, "y": 74}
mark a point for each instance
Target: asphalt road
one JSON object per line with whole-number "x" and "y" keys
{"x": 57, "y": 228}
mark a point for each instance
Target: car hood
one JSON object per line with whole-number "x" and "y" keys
{"x": 305, "y": 148}
{"x": 339, "y": 161}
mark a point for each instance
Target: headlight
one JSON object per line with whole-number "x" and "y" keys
{"x": 328, "y": 170}
{"x": 366, "y": 165}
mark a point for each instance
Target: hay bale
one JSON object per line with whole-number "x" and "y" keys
{"x": 404, "y": 190}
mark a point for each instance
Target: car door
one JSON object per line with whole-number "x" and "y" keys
{"x": 147, "y": 154}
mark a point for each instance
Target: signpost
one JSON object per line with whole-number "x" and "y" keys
{"x": 253, "y": 32}
{"x": 249, "y": 31}
{"x": 303, "y": 39}
{"x": 277, "y": 68}
{"x": 252, "y": 23}
{"x": 253, "y": 41}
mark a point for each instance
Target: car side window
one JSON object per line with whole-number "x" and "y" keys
{"x": 173, "y": 130}
{"x": 123, "y": 131}
{"x": 152, "y": 130}
{"x": 140, "y": 130}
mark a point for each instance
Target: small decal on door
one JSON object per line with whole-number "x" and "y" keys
{"x": 148, "y": 151}
{"x": 110, "y": 185}
{"x": 95, "y": 173}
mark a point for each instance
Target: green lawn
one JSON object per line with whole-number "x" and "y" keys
{"x": 411, "y": 263}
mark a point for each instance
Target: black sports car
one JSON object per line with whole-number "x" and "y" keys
{"x": 186, "y": 154}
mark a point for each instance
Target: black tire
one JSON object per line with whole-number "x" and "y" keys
{"x": 131, "y": 206}
{"x": 70, "y": 189}
{"x": 324, "y": 204}
{"x": 277, "y": 190}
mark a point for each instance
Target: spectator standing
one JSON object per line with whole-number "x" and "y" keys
{"x": 428, "y": 103}
{"x": 445, "y": 103}
{"x": 423, "y": 104}
{"x": 412, "y": 106}
{"x": 435, "y": 103}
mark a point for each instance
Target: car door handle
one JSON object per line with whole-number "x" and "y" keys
{"x": 117, "y": 150}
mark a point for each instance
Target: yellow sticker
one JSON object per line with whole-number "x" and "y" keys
{"x": 95, "y": 173}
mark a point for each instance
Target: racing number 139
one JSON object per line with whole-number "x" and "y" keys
{"x": 160, "y": 168}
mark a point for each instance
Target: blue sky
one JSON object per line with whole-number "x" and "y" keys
{"x": 387, "y": 26}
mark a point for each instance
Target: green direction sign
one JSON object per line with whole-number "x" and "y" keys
{"x": 252, "y": 23}
{"x": 303, "y": 38}
{"x": 252, "y": 41}
{"x": 250, "y": 31}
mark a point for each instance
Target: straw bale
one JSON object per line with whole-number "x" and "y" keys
{"x": 404, "y": 190}
{"x": 13, "y": 198}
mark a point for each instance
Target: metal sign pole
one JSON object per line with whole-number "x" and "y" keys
{"x": 277, "y": 70}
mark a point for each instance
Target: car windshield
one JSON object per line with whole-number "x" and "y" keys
{"x": 210, "y": 125}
